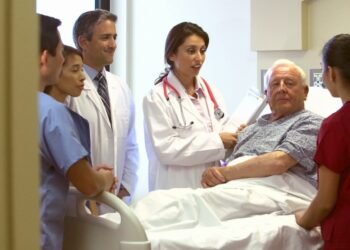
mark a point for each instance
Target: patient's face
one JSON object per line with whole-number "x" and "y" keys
{"x": 285, "y": 93}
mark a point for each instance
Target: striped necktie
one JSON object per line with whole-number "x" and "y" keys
{"x": 103, "y": 92}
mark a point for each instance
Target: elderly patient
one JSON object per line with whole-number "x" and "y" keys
{"x": 283, "y": 140}
{"x": 279, "y": 147}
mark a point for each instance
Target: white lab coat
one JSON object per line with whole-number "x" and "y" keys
{"x": 178, "y": 157}
{"x": 114, "y": 145}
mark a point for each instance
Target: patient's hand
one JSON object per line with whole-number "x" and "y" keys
{"x": 212, "y": 177}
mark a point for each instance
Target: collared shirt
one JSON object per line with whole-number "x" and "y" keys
{"x": 92, "y": 73}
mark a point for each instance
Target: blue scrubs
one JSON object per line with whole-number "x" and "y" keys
{"x": 61, "y": 145}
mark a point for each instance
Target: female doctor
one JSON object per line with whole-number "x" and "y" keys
{"x": 184, "y": 115}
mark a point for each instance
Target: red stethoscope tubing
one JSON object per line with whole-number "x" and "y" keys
{"x": 167, "y": 84}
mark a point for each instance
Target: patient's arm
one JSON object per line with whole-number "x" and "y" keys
{"x": 268, "y": 164}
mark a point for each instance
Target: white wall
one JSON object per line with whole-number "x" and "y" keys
{"x": 230, "y": 64}
{"x": 67, "y": 11}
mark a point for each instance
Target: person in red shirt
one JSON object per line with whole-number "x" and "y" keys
{"x": 331, "y": 206}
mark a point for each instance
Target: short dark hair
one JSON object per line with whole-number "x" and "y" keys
{"x": 336, "y": 53}
{"x": 86, "y": 22}
{"x": 49, "y": 36}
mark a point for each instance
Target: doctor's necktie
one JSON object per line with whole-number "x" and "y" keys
{"x": 103, "y": 92}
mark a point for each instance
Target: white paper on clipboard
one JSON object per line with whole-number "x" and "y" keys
{"x": 249, "y": 108}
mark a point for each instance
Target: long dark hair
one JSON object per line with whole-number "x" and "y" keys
{"x": 176, "y": 37}
{"x": 336, "y": 53}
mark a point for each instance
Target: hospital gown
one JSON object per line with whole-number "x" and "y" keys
{"x": 295, "y": 135}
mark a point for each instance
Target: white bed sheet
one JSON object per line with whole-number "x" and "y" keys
{"x": 265, "y": 232}
{"x": 253, "y": 213}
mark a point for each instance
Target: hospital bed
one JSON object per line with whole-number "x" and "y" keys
{"x": 84, "y": 231}
{"x": 263, "y": 219}
{"x": 181, "y": 218}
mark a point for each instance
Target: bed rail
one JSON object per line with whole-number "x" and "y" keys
{"x": 84, "y": 231}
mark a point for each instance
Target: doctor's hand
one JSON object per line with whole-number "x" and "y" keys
{"x": 212, "y": 177}
{"x": 241, "y": 128}
{"x": 123, "y": 192}
{"x": 228, "y": 139}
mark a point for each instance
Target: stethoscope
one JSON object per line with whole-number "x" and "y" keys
{"x": 218, "y": 113}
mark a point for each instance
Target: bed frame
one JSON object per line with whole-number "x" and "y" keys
{"x": 84, "y": 231}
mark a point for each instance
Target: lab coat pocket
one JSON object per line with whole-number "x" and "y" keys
{"x": 184, "y": 132}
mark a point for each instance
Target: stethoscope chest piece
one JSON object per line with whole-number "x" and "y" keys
{"x": 218, "y": 113}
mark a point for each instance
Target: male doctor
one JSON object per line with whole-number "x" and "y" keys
{"x": 106, "y": 101}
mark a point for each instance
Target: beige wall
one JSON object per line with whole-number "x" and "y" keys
{"x": 19, "y": 171}
{"x": 269, "y": 16}
{"x": 323, "y": 19}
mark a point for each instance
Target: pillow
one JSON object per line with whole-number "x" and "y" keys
{"x": 320, "y": 101}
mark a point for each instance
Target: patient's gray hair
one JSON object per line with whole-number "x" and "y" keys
{"x": 283, "y": 62}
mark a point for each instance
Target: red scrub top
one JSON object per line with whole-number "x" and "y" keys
{"x": 333, "y": 151}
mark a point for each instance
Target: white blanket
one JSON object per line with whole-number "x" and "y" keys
{"x": 253, "y": 213}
